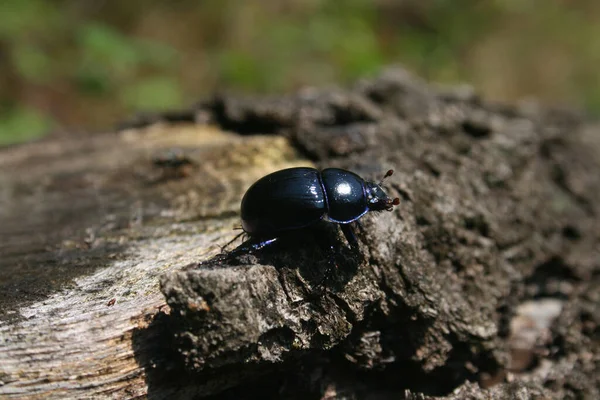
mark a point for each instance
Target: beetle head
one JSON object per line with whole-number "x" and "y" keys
{"x": 377, "y": 199}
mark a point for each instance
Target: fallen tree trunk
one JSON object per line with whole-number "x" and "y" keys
{"x": 483, "y": 283}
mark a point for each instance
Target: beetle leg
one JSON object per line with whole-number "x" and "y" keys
{"x": 359, "y": 226}
{"x": 250, "y": 246}
{"x": 262, "y": 244}
{"x": 231, "y": 241}
{"x": 349, "y": 235}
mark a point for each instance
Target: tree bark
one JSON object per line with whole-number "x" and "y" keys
{"x": 483, "y": 282}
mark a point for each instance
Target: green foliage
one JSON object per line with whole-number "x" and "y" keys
{"x": 240, "y": 69}
{"x": 87, "y": 58}
{"x": 23, "y": 124}
{"x": 95, "y": 63}
{"x": 152, "y": 94}
{"x": 109, "y": 59}
{"x": 22, "y": 18}
{"x": 104, "y": 48}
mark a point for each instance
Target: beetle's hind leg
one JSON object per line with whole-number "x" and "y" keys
{"x": 258, "y": 245}
{"x": 350, "y": 236}
{"x": 251, "y": 245}
{"x": 231, "y": 241}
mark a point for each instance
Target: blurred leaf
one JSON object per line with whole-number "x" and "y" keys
{"x": 239, "y": 69}
{"x": 23, "y": 124}
{"x": 111, "y": 60}
{"x": 31, "y": 63}
{"x": 103, "y": 47}
{"x": 152, "y": 93}
{"x": 27, "y": 17}
{"x": 358, "y": 50}
{"x": 93, "y": 80}
{"x": 157, "y": 54}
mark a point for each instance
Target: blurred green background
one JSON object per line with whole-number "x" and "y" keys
{"x": 86, "y": 64}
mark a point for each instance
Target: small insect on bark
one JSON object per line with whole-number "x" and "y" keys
{"x": 296, "y": 198}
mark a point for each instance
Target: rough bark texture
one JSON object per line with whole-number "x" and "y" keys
{"x": 483, "y": 283}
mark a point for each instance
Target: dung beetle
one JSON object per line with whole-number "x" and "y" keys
{"x": 296, "y": 198}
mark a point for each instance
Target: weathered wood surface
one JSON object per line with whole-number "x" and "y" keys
{"x": 487, "y": 272}
{"x": 94, "y": 218}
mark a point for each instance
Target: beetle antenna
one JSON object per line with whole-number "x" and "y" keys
{"x": 387, "y": 175}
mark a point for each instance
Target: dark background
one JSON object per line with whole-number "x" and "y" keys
{"x": 67, "y": 65}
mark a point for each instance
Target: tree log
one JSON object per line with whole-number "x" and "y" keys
{"x": 483, "y": 283}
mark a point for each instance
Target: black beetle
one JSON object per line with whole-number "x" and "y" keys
{"x": 295, "y": 198}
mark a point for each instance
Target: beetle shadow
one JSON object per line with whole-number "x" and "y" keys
{"x": 318, "y": 254}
